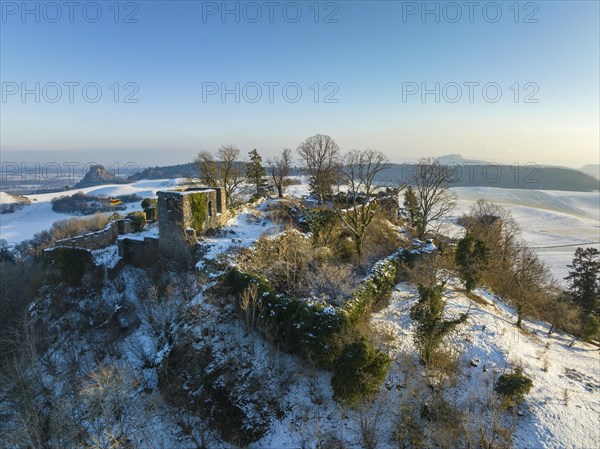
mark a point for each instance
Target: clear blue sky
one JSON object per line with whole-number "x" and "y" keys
{"x": 368, "y": 54}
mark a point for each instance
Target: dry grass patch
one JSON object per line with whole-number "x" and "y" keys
{"x": 475, "y": 298}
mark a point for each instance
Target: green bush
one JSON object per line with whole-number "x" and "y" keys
{"x": 311, "y": 330}
{"x": 321, "y": 223}
{"x": 235, "y": 282}
{"x": 406, "y": 261}
{"x": 513, "y": 386}
{"x": 314, "y": 331}
{"x": 149, "y": 202}
{"x": 428, "y": 312}
{"x": 590, "y": 329}
{"x": 138, "y": 220}
{"x": 471, "y": 257}
{"x": 71, "y": 263}
{"x": 199, "y": 206}
{"x": 358, "y": 372}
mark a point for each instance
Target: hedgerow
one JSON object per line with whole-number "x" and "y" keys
{"x": 322, "y": 333}
{"x": 376, "y": 287}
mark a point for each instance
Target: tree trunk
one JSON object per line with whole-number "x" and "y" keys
{"x": 421, "y": 232}
{"x": 359, "y": 250}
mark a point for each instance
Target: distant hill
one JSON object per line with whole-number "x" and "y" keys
{"x": 458, "y": 159}
{"x": 505, "y": 176}
{"x": 469, "y": 172}
{"x": 7, "y": 198}
{"x": 592, "y": 170}
{"x": 173, "y": 171}
{"x": 97, "y": 175}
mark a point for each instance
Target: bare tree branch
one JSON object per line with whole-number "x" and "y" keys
{"x": 321, "y": 156}
{"x": 279, "y": 169}
{"x": 225, "y": 171}
{"x": 434, "y": 198}
{"x": 358, "y": 172}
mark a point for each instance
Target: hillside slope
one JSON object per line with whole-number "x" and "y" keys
{"x": 132, "y": 326}
{"x": 491, "y": 341}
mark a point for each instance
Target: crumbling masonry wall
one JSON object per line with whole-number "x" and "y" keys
{"x": 140, "y": 253}
{"x": 99, "y": 239}
{"x": 184, "y": 215}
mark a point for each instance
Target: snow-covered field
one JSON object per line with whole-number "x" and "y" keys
{"x": 555, "y": 222}
{"x": 38, "y": 216}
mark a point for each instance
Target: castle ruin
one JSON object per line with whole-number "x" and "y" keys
{"x": 185, "y": 215}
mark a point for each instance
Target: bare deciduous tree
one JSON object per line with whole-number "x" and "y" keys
{"x": 279, "y": 169}
{"x": 250, "y": 306}
{"x": 321, "y": 156}
{"x": 525, "y": 282}
{"x": 223, "y": 171}
{"x": 359, "y": 171}
{"x": 513, "y": 270}
{"x": 208, "y": 168}
{"x": 434, "y": 198}
{"x": 232, "y": 171}
{"x": 493, "y": 225}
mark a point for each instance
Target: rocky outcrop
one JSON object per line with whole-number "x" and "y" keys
{"x": 97, "y": 175}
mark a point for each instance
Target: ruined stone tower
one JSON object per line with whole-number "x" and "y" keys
{"x": 184, "y": 215}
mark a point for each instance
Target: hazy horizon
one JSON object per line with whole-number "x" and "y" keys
{"x": 141, "y": 158}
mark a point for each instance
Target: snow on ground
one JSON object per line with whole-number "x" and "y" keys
{"x": 109, "y": 256}
{"x": 491, "y": 338}
{"x": 38, "y": 216}
{"x": 150, "y": 230}
{"x": 299, "y": 190}
{"x": 241, "y": 231}
{"x": 555, "y": 222}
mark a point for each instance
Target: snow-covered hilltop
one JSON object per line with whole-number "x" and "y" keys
{"x": 222, "y": 356}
